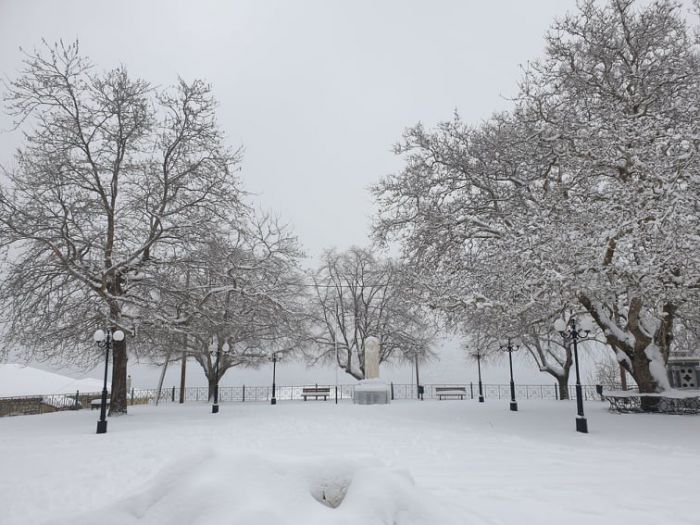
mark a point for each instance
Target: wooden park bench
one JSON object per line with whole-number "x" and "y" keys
{"x": 316, "y": 392}
{"x": 450, "y": 391}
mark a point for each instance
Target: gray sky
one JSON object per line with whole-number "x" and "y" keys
{"x": 316, "y": 91}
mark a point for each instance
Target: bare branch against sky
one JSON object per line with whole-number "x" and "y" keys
{"x": 317, "y": 92}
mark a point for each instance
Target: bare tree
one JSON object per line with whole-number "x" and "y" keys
{"x": 241, "y": 301}
{"x": 359, "y": 296}
{"x": 113, "y": 172}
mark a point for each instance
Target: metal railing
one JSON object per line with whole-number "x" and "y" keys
{"x": 40, "y": 404}
{"x": 44, "y": 404}
{"x": 399, "y": 391}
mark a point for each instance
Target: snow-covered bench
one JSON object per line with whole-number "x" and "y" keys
{"x": 450, "y": 391}
{"x": 316, "y": 392}
{"x": 97, "y": 403}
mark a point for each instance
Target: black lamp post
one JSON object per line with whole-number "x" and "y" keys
{"x": 478, "y": 367}
{"x": 510, "y": 349}
{"x": 337, "y": 364}
{"x": 105, "y": 340}
{"x": 215, "y": 406}
{"x": 273, "y": 401}
{"x": 419, "y": 388}
{"x": 570, "y": 332}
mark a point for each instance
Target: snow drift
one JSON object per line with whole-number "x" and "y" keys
{"x": 209, "y": 488}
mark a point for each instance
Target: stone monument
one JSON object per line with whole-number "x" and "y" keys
{"x": 372, "y": 358}
{"x": 371, "y": 390}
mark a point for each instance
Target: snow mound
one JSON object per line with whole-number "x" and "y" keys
{"x": 214, "y": 489}
{"x": 20, "y": 380}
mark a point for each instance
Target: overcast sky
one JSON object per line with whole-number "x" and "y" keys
{"x": 316, "y": 92}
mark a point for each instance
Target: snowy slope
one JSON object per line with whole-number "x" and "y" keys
{"x": 407, "y": 463}
{"x": 19, "y": 380}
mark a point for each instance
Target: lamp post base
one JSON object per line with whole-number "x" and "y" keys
{"x": 273, "y": 401}
{"x": 582, "y": 425}
{"x": 481, "y": 399}
{"x": 215, "y": 409}
{"x": 513, "y": 406}
{"x": 102, "y": 427}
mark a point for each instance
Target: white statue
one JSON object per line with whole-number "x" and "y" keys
{"x": 371, "y": 358}
{"x": 371, "y": 390}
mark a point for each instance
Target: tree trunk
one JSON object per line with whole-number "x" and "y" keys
{"x": 623, "y": 377}
{"x": 563, "y": 383}
{"x": 645, "y": 380}
{"x": 212, "y": 385}
{"x": 352, "y": 373}
{"x": 183, "y": 373}
{"x": 560, "y": 373}
{"x": 117, "y": 397}
{"x": 642, "y": 351}
{"x": 347, "y": 366}
{"x": 162, "y": 378}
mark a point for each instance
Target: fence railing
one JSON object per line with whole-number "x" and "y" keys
{"x": 44, "y": 404}
{"x": 41, "y": 404}
{"x": 398, "y": 391}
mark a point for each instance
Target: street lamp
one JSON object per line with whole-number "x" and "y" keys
{"x": 478, "y": 367}
{"x": 570, "y": 332}
{"x": 419, "y": 389}
{"x": 105, "y": 340}
{"x": 510, "y": 349}
{"x": 215, "y": 406}
{"x": 337, "y": 364}
{"x": 273, "y": 401}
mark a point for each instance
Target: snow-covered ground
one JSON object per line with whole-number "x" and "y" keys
{"x": 432, "y": 462}
{"x": 20, "y": 380}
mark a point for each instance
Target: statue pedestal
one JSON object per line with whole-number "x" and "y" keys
{"x": 371, "y": 392}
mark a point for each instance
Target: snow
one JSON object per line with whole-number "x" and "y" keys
{"x": 371, "y": 385}
{"x": 407, "y": 463}
{"x": 657, "y": 367}
{"x": 672, "y": 393}
{"x": 19, "y": 380}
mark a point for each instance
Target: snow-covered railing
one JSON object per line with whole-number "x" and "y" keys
{"x": 668, "y": 402}
{"x": 44, "y": 403}
{"x": 39, "y": 404}
{"x": 246, "y": 393}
